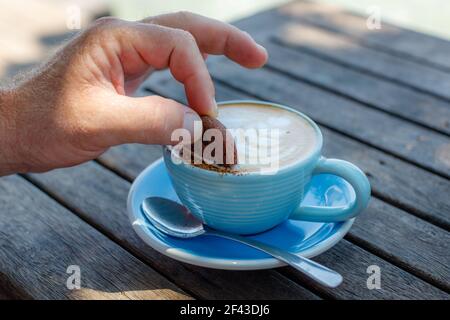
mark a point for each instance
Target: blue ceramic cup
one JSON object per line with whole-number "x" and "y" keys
{"x": 251, "y": 202}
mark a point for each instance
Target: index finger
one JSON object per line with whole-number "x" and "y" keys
{"x": 216, "y": 37}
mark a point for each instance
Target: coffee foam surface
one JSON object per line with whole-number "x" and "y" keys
{"x": 296, "y": 137}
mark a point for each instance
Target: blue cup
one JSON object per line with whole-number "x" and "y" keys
{"x": 252, "y": 202}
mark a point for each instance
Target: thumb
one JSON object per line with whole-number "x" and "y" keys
{"x": 147, "y": 120}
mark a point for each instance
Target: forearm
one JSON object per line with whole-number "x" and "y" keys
{"x": 10, "y": 162}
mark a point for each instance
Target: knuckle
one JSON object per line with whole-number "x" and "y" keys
{"x": 162, "y": 119}
{"x": 184, "y": 15}
{"x": 185, "y": 36}
{"x": 83, "y": 131}
{"x": 105, "y": 21}
{"x": 106, "y": 29}
{"x": 101, "y": 25}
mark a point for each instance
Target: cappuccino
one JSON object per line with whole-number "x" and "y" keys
{"x": 267, "y": 136}
{"x": 253, "y": 202}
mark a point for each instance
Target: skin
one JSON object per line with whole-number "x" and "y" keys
{"x": 78, "y": 104}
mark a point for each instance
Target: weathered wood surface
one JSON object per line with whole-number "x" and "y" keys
{"x": 398, "y": 182}
{"x": 293, "y": 28}
{"x": 108, "y": 213}
{"x": 427, "y": 253}
{"x": 341, "y": 50}
{"x": 398, "y": 41}
{"x": 128, "y": 166}
{"x": 405, "y": 240}
{"x": 352, "y": 261}
{"x": 393, "y": 98}
{"x": 383, "y": 103}
{"x": 102, "y": 202}
{"x": 40, "y": 239}
{"x": 403, "y": 139}
{"x": 391, "y": 250}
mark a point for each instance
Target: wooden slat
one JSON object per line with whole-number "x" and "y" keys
{"x": 351, "y": 268}
{"x": 11, "y": 291}
{"x": 126, "y": 166}
{"x": 396, "y": 99}
{"x": 432, "y": 262}
{"x": 423, "y": 147}
{"x": 408, "y": 241}
{"x": 353, "y": 262}
{"x": 347, "y": 258}
{"x": 395, "y": 40}
{"x": 40, "y": 239}
{"x": 394, "y": 180}
{"x": 344, "y": 51}
{"x": 99, "y": 196}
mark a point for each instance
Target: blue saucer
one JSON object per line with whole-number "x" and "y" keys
{"x": 303, "y": 238}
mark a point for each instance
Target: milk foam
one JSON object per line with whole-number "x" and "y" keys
{"x": 296, "y": 137}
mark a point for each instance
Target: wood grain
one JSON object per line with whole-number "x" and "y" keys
{"x": 405, "y": 240}
{"x": 40, "y": 239}
{"x": 373, "y": 212}
{"x": 346, "y": 52}
{"x": 292, "y": 30}
{"x": 408, "y": 141}
{"x": 365, "y": 88}
{"x": 398, "y": 182}
{"x": 99, "y": 197}
{"x": 395, "y": 99}
{"x": 107, "y": 212}
{"x": 429, "y": 261}
{"x": 127, "y": 165}
{"x": 392, "y": 39}
{"x": 353, "y": 262}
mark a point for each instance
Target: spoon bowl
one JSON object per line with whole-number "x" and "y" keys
{"x": 172, "y": 218}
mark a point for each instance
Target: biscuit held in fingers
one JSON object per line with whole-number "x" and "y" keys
{"x": 217, "y": 146}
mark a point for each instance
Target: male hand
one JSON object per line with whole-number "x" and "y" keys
{"x": 76, "y": 106}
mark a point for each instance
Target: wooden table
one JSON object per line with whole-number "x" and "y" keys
{"x": 382, "y": 100}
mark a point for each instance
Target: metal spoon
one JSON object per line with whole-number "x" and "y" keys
{"x": 175, "y": 220}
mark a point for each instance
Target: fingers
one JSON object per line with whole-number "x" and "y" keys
{"x": 216, "y": 37}
{"x": 176, "y": 46}
{"x": 163, "y": 47}
{"x": 147, "y": 120}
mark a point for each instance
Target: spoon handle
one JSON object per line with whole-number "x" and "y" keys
{"x": 314, "y": 270}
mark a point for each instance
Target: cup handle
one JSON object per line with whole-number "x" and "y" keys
{"x": 353, "y": 175}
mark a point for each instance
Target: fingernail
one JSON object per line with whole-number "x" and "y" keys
{"x": 214, "y": 108}
{"x": 262, "y": 48}
{"x": 190, "y": 120}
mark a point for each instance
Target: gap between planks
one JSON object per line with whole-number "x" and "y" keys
{"x": 42, "y": 270}
{"x": 378, "y": 253}
{"x": 351, "y": 98}
{"x": 92, "y": 224}
{"x": 112, "y": 237}
{"x": 238, "y": 93}
{"x": 435, "y": 127}
{"x": 337, "y": 20}
{"x": 310, "y": 36}
{"x": 359, "y": 243}
{"x": 423, "y": 276}
{"x": 349, "y": 135}
{"x": 316, "y": 53}
{"x": 392, "y": 270}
